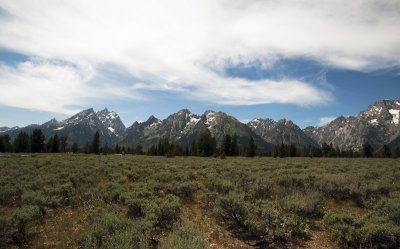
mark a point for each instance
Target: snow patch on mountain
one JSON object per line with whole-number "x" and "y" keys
{"x": 395, "y": 115}
{"x": 374, "y": 121}
{"x": 210, "y": 117}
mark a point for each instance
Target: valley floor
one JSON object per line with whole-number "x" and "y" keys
{"x": 114, "y": 201}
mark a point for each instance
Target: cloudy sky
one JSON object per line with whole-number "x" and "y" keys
{"x": 306, "y": 60}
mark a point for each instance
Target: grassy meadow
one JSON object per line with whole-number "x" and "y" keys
{"x": 113, "y": 201}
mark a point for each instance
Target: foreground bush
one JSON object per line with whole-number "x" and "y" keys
{"x": 15, "y": 227}
{"x": 307, "y": 205}
{"x": 184, "y": 237}
{"x": 113, "y": 231}
{"x": 368, "y": 232}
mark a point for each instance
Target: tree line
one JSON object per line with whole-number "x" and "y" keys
{"x": 37, "y": 143}
{"x": 205, "y": 145}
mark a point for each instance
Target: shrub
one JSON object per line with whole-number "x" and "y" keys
{"x": 110, "y": 192}
{"x": 183, "y": 237}
{"x": 368, "y": 232}
{"x": 184, "y": 190}
{"x": 112, "y": 231}
{"x": 231, "y": 208}
{"x": 261, "y": 189}
{"x": 136, "y": 208}
{"x": 20, "y": 219}
{"x": 219, "y": 185}
{"x": 163, "y": 212}
{"x": 35, "y": 198}
{"x": 265, "y": 221}
{"x": 308, "y": 204}
{"x": 390, "y": 207}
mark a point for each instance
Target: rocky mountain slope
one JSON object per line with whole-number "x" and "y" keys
{"x": 81, "y": 127}
{"x": 184, "y": 127}
{"x": 282, "y": 131}
{"x": 378, "y": 124}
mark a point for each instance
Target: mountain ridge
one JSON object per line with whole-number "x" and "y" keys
{"x": 378, "y": 124}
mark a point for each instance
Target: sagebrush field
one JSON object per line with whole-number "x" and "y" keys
{"x": 113, "y": 201}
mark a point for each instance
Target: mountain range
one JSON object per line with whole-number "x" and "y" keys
{"x": 378, "y": 125}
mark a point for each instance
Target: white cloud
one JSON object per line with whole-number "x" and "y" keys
{"x": 179, "y": 45}
{"x": 325, "y": 120}
{"x": 50, "y": 85}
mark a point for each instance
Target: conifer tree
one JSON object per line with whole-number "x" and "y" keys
{"x": 367, "y": 150}
{"x": 63, "y": 143}
{"x": 234, "y": 146}
{"x": 75, "y": 148}
{"x": 37, "y": 141}
{"x": 251, "y": 148}
{"x": 55, "y": 147}
{"x": 206, "y": 143}
{"x": 22, "y": 143}
{"x": 96, "y": 143}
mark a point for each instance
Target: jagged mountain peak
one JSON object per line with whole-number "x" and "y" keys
{"x": 105, "y": 110}
{"x": 152, "y": 120}
{"x": 52, "y": 121}
{"x": 184, "y": 111}
{"x": 281, "y": 131}
{"x": 378, "y": 124}
{"x": 285, "y": 121}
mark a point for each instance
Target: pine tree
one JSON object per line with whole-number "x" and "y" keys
{"x": 367, "y": 150}
{"x": 206, "y": 143}
{"x": 96, "y": 143}
{"x": 63, "y": 143}
{"x": 251, "y": 148}
{"x": 226, "y": 145}
{"x": 397, "y": 152}
{"x": 292, "y": 150}
{"x": 117, "y": 149}
{"x": 386, "y": 152}
{"x": 37, "y": 141}
{"x": 22, "y": 142}
{"x": 282, "y": 150}
{"x": 5, "y": 145}
{"x": 75, "y": 148}
{"x": 55, "y": 147}
{"x": 234, "y": 146}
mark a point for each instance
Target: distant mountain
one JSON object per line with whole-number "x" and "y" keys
{"x": 378, "y": 124}
{"x": 184, "y": 127}
{"x": 282, "y": 131}
{"x": 4, "y": 128}
{"x": 112, "y": 122}
{"x": 81, "y": 127}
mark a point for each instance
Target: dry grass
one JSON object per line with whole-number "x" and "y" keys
{"x": 60, "y": 228}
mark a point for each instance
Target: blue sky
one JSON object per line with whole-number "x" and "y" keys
{"x": 245, "y": 58}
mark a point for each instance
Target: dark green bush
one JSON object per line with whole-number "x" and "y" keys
{"x": 136, "y": 208}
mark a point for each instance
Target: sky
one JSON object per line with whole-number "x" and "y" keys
{"x": 306, "y": 60}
